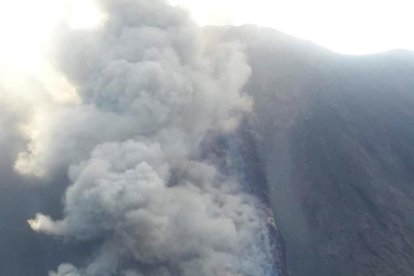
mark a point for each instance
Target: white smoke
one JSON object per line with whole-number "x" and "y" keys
{"x": 17, "y": 111}
{"x": 151, "y": 89}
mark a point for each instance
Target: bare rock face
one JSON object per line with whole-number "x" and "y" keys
{"x": 335, "y": 136}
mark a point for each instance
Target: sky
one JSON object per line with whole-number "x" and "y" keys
{"x": 354, "y": 27}
{"x": 349, "y": 27}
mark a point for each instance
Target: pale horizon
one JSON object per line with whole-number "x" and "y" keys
{"x": 347, "y": 27}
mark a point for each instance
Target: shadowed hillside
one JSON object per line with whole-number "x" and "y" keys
{"x": 336, "y": 139}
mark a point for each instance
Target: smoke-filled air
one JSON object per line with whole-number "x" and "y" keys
{"x": 150, "y": 89}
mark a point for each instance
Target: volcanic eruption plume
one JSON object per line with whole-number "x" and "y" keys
{"x": 150, "y": 89}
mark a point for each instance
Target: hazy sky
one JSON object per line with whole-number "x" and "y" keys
{"x": 351, "y": 26}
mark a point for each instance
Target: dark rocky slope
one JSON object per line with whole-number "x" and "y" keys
{"x": 336, "y": 138}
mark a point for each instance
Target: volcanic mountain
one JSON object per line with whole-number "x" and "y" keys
{"x": 335, "y": 139}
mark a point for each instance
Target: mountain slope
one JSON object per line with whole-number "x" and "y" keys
{"x": 336, "y": 138}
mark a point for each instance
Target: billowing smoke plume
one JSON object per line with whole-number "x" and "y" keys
{"x": 150, "y": 90}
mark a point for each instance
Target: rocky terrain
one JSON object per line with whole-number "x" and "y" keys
{"x": 335, "y": 136}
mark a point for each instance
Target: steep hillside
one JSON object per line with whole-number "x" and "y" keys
{"x": 336, "y": 139}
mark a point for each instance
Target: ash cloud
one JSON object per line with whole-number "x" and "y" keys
{"x": 17, "y": 111}
{"x": 151, "y": 88}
